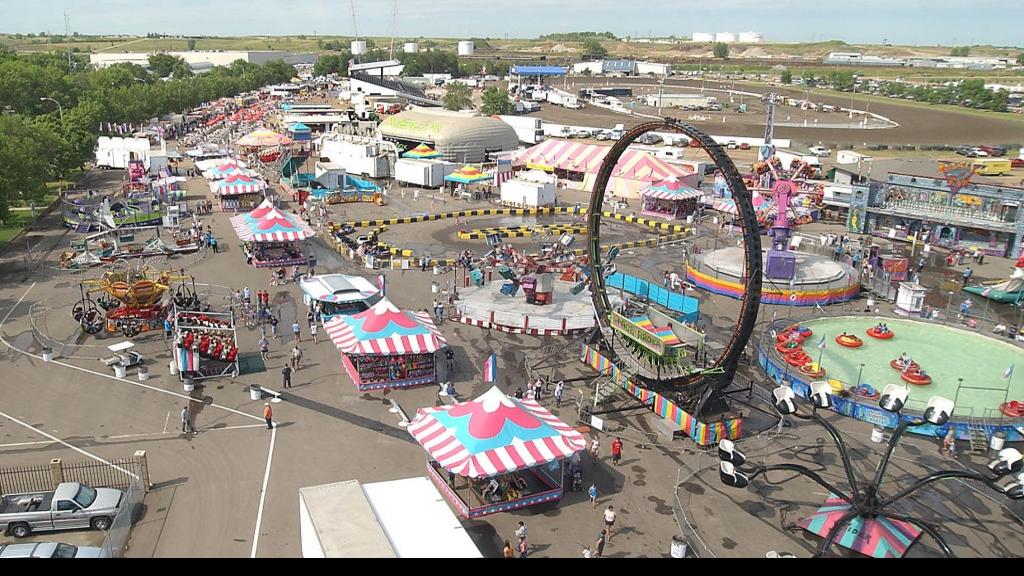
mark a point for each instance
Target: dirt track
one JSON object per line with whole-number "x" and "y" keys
{"x": 917, "y": 125}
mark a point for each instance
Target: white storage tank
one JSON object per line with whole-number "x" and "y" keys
{"x": 751, "y": 37}
{"x": 703, "y": 37}
{"x": 411, "y": 48}
{"x": 727, "y": 37}
{"x": 358, "y": 47}
{"x": 466, "y": 48}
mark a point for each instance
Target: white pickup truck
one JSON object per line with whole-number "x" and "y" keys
{"x": 71, "y": 505}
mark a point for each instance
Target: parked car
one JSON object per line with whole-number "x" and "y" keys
{"x": 993, "y": 151}
{"x": 820, "y": 151}
{"x": 649, "y": 139}
{"x": 1017, "y": 163}
{"x": 604, "y": 135}
{"x": 71, "y": 505}
{"x": 50, "y": 550}
{"x": 732, "y": 145}
{"x": 744, "y": 146}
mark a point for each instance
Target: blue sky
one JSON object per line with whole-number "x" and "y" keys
{"x": 856, "y": 21}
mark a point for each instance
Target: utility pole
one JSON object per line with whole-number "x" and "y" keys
{"x": 67, "y": 38}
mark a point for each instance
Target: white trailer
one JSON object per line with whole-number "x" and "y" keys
{"x": 360, "y": 156}
{"x": 787, "y": 157}
{"x": 528, "y": 128}
{"x": 533, "y": 189}
{"x": 399, "y": 519}
{"x": 423, "y": 172}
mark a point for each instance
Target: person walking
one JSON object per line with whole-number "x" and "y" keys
{"x": 296, "y": 329}
{"x": 286, "y": 377}
{"x": 538, "y": 386}
{"x": 521, "y": 530}
{"x": 168, "y": 328}
{"x": 273, "y": 326}
{"x": 296, "y": 357}
{"x": 247, "y": 295}
{"x": 967, "y": 275}
{"x": 264, "y": 348}
{"x": 312, "y": 332}
{"x": 559, "y": 390}
{"x": 595, "y": 448}
{"x": 599, "y": 545}
{"x": 186, "y": 421}
{"x": 592, "y": 492}
{"x": 523, "y": 547}
{"x": 213, "y": 244}
{"x": 449, "y": 356}
{"x": 268, "y": 415}
{"x": 507, "y": 551}
{"x": 609, "y": 521}
{"x": 616, "y": 451}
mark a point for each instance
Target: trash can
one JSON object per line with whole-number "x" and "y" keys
{"x": 878, "y": 434}
{"x": 997, "y": 441}
{"x": 255, "y": 392}
{"x": 678, "y": 548}
{"x": 437, "y": 270}
{"x": 143, "y": 373}
{"x": 435, "y": 288}
{"x": 47, "y": 354}
{"x": 173, "y": 367}
{"x": 189, "y": 384}
{"x": 120, "y": 370}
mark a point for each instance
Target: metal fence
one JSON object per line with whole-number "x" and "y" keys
{"x": 115, "y": 542}
{"x": 25, "y": 479}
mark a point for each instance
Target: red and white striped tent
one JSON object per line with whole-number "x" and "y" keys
{"x": 385, "y": 330}
{"x": 493, "y": 435}
{"x": 671, "y": 189}
{"x": 237, "y": 184}
{"x": 269, "y": 224}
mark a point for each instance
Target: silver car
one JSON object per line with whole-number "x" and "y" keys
{"x": 50, "y": 550}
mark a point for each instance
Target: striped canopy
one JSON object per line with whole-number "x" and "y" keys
{"x": 272, "y": 225}
{"x": 237, "y": 184}
{"x": 263, "y": 137}
{"x": 493, "y": 435}
{"x": 385, "y": 330}
{"x": 671, "y": 189}
{"x": 422, "y": 151}
{"x": 467, "y": 175}
{"x": 876, "y": 537}
{"x": 587, "y": 158}
{"x": 228, "y": 170}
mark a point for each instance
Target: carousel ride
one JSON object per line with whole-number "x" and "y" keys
{"x": 694, "y": 385}
{"x": 131, "y": 300}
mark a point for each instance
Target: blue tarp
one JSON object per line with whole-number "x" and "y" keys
{"x": 685, "y": 306}
{"x": 538, "y": 71}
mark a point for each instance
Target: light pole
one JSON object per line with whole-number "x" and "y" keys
{"x": 60, "y": 109}
{"x": 859, "y": 374}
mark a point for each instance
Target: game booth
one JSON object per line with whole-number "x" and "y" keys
{"x": 669, "y": 200}
{"x": 272, "y": 237}
{"x": 239, "y": 192}
{"x": 205, "y": 345}
{"x": 226, "y": 169}
{"x": 169, "y": 188}
{"x": 495, "y": 454}
{"x": 385, "y": 347}
{"x": 338, "y": 294}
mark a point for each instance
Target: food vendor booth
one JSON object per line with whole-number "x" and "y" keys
{"x": 669, "y": 200}
{"x": 338, "y": 294}
{"x": 263, "y": 138}
{"x": 495, "y": 453}
{"x": 468, "y": 176}
{"x": 228, "y": 169}
{"x": 385, "y": 347}
{"x": 170, "y": 188}
{"x": 239, "y": 193}
{"x": 272, "y": 237}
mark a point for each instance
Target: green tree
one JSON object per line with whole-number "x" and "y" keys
{"x": 721, "y": 50}
{"x": 593, "y": 47}
{"x": 960, "y": 51}
{"x": 21, "y": 177}
{"x": 331, "y": 64}
{"x": 495, "y": 101}
{"x": 191, "y": 44}
{"x": 163, "y": 65}
{"x": 787, "y": 77}
{"x": 1020, "y": 59}
{"x": 457, "y": 96}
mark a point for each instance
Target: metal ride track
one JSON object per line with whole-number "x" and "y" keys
{"x": 710, "y": 383}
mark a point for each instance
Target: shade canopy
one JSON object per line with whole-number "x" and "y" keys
{"x": 493, "y": 435}
{"x": 422, "y": 152}
{"x": 337, "y": 288}
{"x": 383, "y": 329}
{"x": 467, "y": 175}
{"x": 671, "y": 189}
{"x": 269, "y": 224}
{"x": 237, "y": 184}
{"x": 587, "y": 158}
{"x": 878, "y": 537}
{"x": 264, "y": 137}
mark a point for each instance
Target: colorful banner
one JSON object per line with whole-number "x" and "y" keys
{"x": 701, "y": 433}
{"x": 771, "y": 295}
{"x": 188, "y": 360}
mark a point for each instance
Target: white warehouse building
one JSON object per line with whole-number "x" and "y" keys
{"x": 703, "y": 37}
{"x": 751, "y": 38}
{"x": 203, "y": 58}
{"x": 726, "y": 37}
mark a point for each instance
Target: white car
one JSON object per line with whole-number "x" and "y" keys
{"x": 820, "y": 151}
{"x": 50, "y": 550}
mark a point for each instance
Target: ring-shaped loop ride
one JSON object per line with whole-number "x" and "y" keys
{"x": 752, "y": 279}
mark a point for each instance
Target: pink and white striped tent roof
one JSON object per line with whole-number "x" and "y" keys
{"x": 671, "y": 189}
{"x": 385, "y": 330}
{"x": 493, "y": 435}
{"x": 587, "y": 158}
{"x": 272, "y": 225}
{"x": 237, "y": 184}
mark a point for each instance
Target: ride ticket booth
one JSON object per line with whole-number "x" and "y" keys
{"x": 496, "y": 453}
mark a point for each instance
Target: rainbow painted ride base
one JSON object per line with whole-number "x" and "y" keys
{"x": 818, "y": 280}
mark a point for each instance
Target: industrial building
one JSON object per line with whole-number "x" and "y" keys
{"x": 956, "y": 62}
{"x": 729, "y": 37}
{"x": 203, "y": 59}
{"x": 624, "y": 67}
{"x": 687, "y": 101}
{"x": 459, "y": 136}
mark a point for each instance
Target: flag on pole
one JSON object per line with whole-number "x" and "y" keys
{"x": 382, "y": 283}
{"x": 491, "y": 368}
{"x": 1008, "y": 372}
{"x": 821, "y": 343}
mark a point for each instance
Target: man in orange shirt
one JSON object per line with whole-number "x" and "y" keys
{"x": 268, "y": 415}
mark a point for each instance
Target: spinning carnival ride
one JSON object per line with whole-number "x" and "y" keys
{"x": 131, "y": 300}
{"x": 699, "y": 389}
